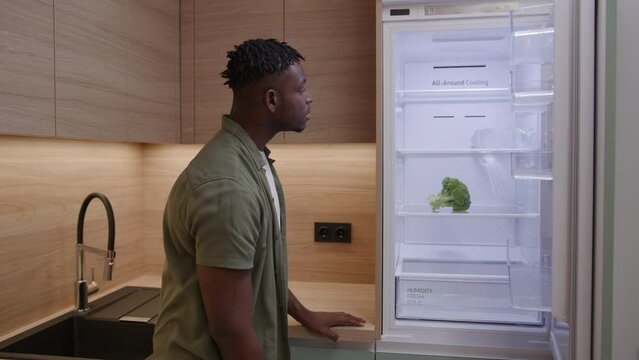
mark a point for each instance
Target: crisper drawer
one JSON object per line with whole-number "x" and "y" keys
{"x": 476, "y": 292}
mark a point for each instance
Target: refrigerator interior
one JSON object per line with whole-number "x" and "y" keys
{"x": 476, "y": 105}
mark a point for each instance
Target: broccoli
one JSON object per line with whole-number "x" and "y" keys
{"x": 454, "y": 194}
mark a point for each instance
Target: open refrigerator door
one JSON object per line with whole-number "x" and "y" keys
{"x": 468, "y": 94}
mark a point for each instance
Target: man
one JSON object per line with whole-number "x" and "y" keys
{"x": 224, "y": 285}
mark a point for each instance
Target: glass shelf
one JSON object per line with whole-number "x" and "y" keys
{"x": 431, "y": 152}
{"x": 412, "y": 255}
{"x": 473, "y": 212}
{"x": 454, "y": 95}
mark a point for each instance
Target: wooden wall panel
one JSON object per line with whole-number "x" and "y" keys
{"x": 335, "y": 183}
{"x": 42, "y": 185}
{"x": 337, "y": 38}
{"x": 162, "y": 165}
{"x": 26, "y": 68}
{"x": 321, "y": 183}
{"x": 91, "y": 69}
{"x": 186, "y": 70}
{"x": 219, "y": 25}
{"x": 153, "y": 71}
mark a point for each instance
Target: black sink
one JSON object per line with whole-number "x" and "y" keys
{"x": 92, "y": 335}
{"x": 86, "y": 338}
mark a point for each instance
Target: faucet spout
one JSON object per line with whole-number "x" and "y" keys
{"x": 84, "y": 288}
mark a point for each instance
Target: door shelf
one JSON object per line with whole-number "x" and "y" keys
{"x": 533, "y": 46}
{"x": 532, "y": 166}
{"x": 533, "y": 98}
{"x": 530, "y": 286}
{"x": 532, "y": 32}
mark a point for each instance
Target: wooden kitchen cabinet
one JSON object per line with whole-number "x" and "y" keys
{"x": 337, "y": 38}
{"x": 91, "y": 69}
{"x": 117, "y": 70}
{"x": 153, "y": 71}
{"x": 187, "y": 67}
{"x": 217, "y": 26}
{"x": 27, "y": 68}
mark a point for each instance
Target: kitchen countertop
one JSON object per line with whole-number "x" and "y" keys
{"x": 357, "y": 299}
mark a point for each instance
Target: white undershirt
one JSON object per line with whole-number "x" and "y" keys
{"x": 271, "y": 184}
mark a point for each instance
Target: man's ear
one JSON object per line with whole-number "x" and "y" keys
{"x": 271, "y": 100}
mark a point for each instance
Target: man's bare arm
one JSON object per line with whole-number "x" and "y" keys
{"x": 228, "y": 301}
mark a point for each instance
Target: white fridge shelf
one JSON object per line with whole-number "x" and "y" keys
{"x": 454, "y": 95}
{"x": 456, "y": 253}
{"x": 463, "y": 151}
{"x": 473, "y": 212}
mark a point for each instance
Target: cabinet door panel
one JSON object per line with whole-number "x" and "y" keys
{"x": 218, "y": 26}
{"x": 91, "y": 69}
{"x": 337, "y": 38}
{"x": 153, "y": 71}
{"x": 186, "y": 71}
{"x": 26, "y": 68}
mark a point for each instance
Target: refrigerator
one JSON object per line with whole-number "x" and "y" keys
{"x": 497, "y": 96}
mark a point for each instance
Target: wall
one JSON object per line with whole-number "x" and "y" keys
{"x": 42, "y": 185}
{"x": 44, "y": 181}
{"x": 324, "y": 183}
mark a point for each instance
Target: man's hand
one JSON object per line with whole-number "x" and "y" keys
{"x": 319, "y": 321}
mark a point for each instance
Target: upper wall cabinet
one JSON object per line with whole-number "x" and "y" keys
{"x": 187, "y": 108}
{"x": 91, "y": 55}
{"x": 27, "y": 68}
{"x": 216, "y": 27}
{"x": 116, "y": 70}
{"x": 337, "y": 38}
{"x": 153, "y": 71}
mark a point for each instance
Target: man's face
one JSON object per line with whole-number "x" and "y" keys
{"x": 295, "y": 102}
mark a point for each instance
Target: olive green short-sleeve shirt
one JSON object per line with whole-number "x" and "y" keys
{"x": 220, "y": 213}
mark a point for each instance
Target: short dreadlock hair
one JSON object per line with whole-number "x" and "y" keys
{"x": 256, "y": 58}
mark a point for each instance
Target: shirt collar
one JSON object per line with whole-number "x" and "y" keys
{"x": 236, "y": 129}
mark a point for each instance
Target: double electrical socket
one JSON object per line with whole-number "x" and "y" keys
{"x": 333, "y": 232}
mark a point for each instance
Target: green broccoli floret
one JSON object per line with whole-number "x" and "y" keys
{"x": 454, "y": 194}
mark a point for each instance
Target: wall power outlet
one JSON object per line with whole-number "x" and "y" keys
{"x": 333, "y": 232}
